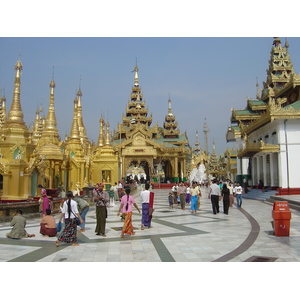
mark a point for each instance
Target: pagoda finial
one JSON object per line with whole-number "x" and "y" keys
{"x": 170, "y": 107}
{"x": 136, "y": 74}
{"x": 286, "y": 43}
{"x": 205, "y": 131}
{"x": 79, "y": 93}
{"x": 257, "y": 89}
{"x": 52, "y": 83}
{"x": 276, "y": 41}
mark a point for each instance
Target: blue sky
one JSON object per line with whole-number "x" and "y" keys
{"x": 206, "y": 58}
{"x": 204, "y": 76}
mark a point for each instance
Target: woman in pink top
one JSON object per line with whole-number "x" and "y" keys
{"x": 45, "y": 201}
{"x": 126, "y": 206}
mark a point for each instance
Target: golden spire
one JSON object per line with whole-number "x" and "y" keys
{"x": 51, "y": 119}
{"x": 101, "y": 134}
{"x": 50, "y": 132}
{"x": 74, "y": 133}
{"x": 37, "y": 127}
{"x": 2, "y": 109}
{"x": 107, "y": 140}
{"x": 15, "y": 115}
{"x": 82, "y": 130}
{"x": 136, "y": 75}
{"x": 170, "y": 107}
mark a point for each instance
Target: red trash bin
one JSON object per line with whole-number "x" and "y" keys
{"x": 281, "y": 216}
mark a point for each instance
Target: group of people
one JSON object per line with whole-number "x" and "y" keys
{"x": 127, "y": 202}
{"x": 76, "y": 208}
{"x": 71, "y": 209}
{"x": 224, "y": 191}
{"x": 183, "y": 194}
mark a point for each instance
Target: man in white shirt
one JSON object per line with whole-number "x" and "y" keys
{"x": 215, "y": 193}
{"x": 145, "y": 199}
{"x": 238, "y": 191}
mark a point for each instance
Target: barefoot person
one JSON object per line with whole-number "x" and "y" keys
{"x": 18, "y": 231}
{"x": 69, "y": 212}
{"x": 126, "y": 208}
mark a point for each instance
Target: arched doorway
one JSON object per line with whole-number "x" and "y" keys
{"x": 137, "y": 169}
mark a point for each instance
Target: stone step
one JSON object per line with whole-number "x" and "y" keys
{"x": 257, "y": 194}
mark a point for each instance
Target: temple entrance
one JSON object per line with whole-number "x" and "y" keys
{"x": 138, "y": 171}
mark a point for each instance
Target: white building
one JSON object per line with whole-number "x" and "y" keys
{"x": 267, "y": 131}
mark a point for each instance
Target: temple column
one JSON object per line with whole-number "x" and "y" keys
{"x": 264, "y": 170}
{"x": 258, "y": 168}
{"x": 27, "y": 185}
{"x": 176, "y": 169}
{"x": 7, "y": 178}
{"x": 81, "y": 181}
{"x": 272, "y": 169}
{"x": 184, "y": 169}
{"x": 254, "y": 170}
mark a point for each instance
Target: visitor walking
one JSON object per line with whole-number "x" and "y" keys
{"x": 126, "y": 207}
{"x": 181, "y": 191}
{"x": 225, "y": 195}
{"x": 69, "y": 213}
{"x": 231, "y": 198}
{"x": 238, "y": 191}
{"x": 101, "y": 198}
{"x": 145, "y": 199}
{"x": 114, "y": 189}
{"x": 188, "y": 194}
{"x": 215, "y": 193}
{"x": 195, "y": 194}
{"x": 120, "y": 188}
{"x": 170, "y": 199}
{"x": 44, "y": 201}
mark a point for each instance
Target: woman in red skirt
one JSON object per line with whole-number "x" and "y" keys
{"x": 126, "y": 206}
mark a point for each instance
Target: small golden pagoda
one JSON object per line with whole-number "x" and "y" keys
{"x": 104, "y": 161}
{"x": 16, "y": 147}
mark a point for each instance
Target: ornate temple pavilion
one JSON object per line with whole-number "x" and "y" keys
{"x": 160, "y": 151}
{"x": 266, "y": 132}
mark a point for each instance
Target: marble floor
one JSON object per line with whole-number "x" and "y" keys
{"x": 177, "y": 236}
